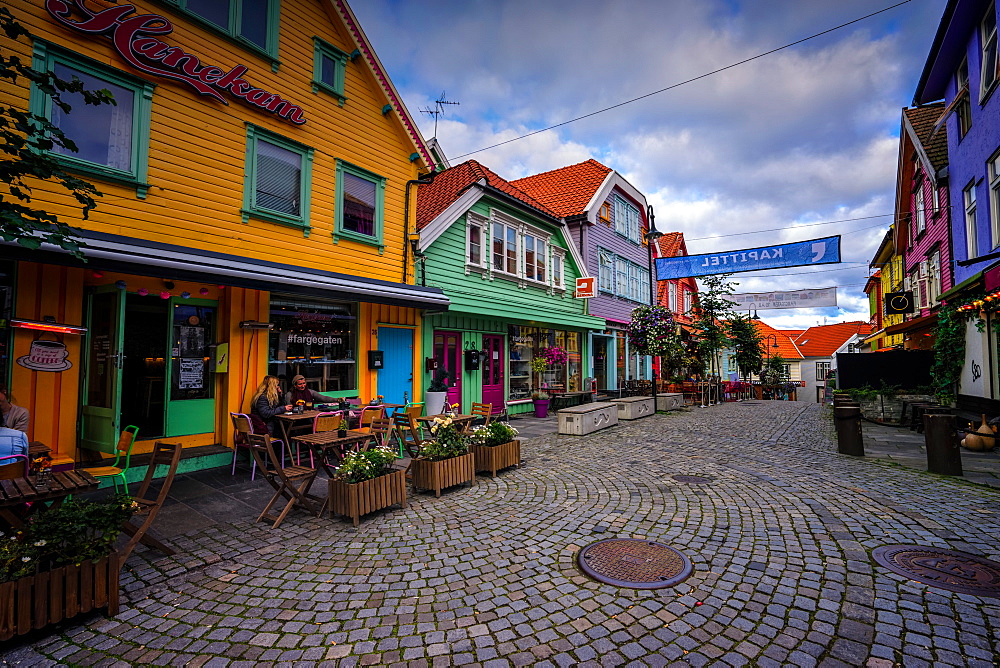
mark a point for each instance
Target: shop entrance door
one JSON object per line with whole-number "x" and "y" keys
{"x": 395, "y": 378}
{"x": 601, "y": 362}
{"x": 102, "y": 382}
{"x": 493, "y": 374}
{"x": 190, "y": 383}
{"x": 448, "y": 353}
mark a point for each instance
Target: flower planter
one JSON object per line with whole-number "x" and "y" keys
{"x": 541, "y": 408}
{"x": 436, "y": 475}
{"x": 36, "y": 601}
{"x": 360, "y": 498}
{"x": 492, "y": 458}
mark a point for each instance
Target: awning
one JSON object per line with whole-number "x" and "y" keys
{"x": 910, "y": 325}
{"x": 529, "y": 314}
{"x": 149, "y": 258}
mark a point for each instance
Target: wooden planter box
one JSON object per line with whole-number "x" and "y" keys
{"x": 361, "y": 498}
{"x": 36, "y": 601}
{"x": 492, "y": 458}
{"x": 437, "y": 475}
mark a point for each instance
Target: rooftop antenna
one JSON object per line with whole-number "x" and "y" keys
{"x": 438, "y": 110}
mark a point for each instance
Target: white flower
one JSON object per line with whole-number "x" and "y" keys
{"x": 40, "y": 543}
{"x": 25, "y": 559}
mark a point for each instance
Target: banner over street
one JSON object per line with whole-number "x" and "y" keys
{"x": 814, "y": 298}
{"x": 802, "y": 253}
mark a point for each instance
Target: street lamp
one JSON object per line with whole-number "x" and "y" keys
{"x": 767, "y": 356}
{"x": 651, "y": 236}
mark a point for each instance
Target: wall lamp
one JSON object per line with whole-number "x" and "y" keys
{"x": 256, "y": 324}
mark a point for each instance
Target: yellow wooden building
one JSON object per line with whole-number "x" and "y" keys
{"x": 257, "y": 180}
{"x": 889, "y": 263}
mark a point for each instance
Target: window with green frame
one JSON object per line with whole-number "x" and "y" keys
{"x": 360, "y": 196}
{"x": 278, "y": 179}
{"x": 112, "y": 139}
{"x": 329, "y": 65}
{"x": 253, "y": 23}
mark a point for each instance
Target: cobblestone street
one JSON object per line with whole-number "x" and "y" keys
{"x": 780, "y": 539}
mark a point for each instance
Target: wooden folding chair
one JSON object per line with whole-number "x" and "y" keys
{"x": 408, "y": 433}
{"x": 483, "y": 413}
{"x": 381, "y": 430}
{"x": 164, "y": 454}
{"x": 242, "y": 426}
{"x": 292, "y": 483}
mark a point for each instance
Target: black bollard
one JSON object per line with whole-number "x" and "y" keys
{"x": 944, "y": 456}
{"x": 847, "y": 420}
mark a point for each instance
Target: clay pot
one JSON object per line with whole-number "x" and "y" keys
{"x": 974, "y": 442}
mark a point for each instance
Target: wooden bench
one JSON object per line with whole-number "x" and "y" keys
{"x": 588, "y": 418}
{"x": 633, "y": 408}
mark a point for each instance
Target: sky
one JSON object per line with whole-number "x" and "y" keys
{"x": 751, "y": 156}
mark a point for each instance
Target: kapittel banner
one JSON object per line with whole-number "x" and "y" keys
{"x": 802, "y": 253}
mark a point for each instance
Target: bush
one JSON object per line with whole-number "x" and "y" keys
{"x": 447, "y": 443}
{"x": 361, "y": 466}
{"x": 494, "y": 433}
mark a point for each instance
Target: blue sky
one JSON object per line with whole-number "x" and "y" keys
{"x": 805, "y": 135}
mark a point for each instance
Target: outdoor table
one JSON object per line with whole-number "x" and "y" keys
{"x": 14, "y": 494}
{"x": 328, "y": 441}
{"x": 289, "y": 421}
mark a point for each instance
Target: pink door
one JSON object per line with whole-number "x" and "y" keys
{"x": 493, "y": 367}
{"x": 448, "y": 353}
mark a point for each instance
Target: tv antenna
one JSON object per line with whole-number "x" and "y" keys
{"x": 438, "y": 110}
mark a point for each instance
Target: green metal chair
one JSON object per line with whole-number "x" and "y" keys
{"x": 123, "y": 449}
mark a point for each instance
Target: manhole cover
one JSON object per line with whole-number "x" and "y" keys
{"x": 639, "y": 564}
{"x": 693, "y": 479}
{"x": 947, "y": 569}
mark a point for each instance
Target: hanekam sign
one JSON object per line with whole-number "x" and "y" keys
{"x": 814, "y": 251}
{"x": 130, "y": 37}
{"x": 585, "y": 288}
{"x": 816, "y": 298}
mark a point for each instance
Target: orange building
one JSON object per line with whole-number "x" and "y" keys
{"x": 258, "y": 188}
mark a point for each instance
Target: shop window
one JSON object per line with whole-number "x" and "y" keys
{"x": 526, "y": 343}
{"x": 329, "y": 65}
{"x": 278, "y": 179}
{"x": 112, "y": 140}
{"x": 360, "y": 196}
{"x": 316, "y": 340}
{"x": 251, "y": 23}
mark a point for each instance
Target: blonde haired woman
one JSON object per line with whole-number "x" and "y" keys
{"x": 266, "y": 402}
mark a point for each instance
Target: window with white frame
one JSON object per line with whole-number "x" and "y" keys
{"x": 672, "y": 296}
{"x": 517, "y": 250}
{"x": 627, "y": 220}
{"x": 534, "y": 258}
{"x": 606, "y": 267}
{"x": 688, "y": 301}
{"x": 822, "y": 368}
{"x": 504, "y": 248}
{"x": 557, "y": 267}
{"x": 969, "y": 199}
{"x": 933, "y": 278}
{"x": 919, "y": 208}
{"x": 475, "y": 237}
{"x": 623, "y": 278}
{"x": 988, "y": 61}
{"x": 964, "y": 108}
{"x": 935, "y": 198}
{"x": 993, "y": 171}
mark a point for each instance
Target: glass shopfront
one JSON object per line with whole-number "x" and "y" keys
{"x": 314, "y": 339}
{"x": 526, "y": 343}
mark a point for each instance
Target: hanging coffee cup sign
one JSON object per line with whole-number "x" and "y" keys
{"x": 46, "y": 355}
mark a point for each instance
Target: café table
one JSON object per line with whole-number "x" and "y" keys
{"x": 328, "y": 442}
{"x": 17, "y": 493}
{"x": 288, "y": 421}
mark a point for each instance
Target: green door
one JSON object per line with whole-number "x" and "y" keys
{"x": 190, "y": 382}
{"x": 102, "y": 380}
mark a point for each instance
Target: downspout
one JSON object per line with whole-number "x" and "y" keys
{"x": 406, "y": 223}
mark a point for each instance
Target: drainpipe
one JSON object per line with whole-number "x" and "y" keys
{"x": 406, "y": 223}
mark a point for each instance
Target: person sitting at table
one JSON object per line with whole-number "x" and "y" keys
{"x": 266, "y": 403}
{"x": 13, "y": 442}
{"x": 300, "y": 392}
{"x": 14, "y": 417}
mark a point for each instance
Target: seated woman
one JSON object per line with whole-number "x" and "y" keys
{"x": 266, "y": 402}
{"x": 300, "y": 392}
{"x": 14, "y": 417}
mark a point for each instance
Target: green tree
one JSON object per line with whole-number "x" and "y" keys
{"x": 709, "y": 313}
{"x": 746, "y": 342}
{"x": 25, "y": 142}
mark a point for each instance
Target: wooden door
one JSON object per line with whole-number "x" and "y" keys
{"x": 395, "y": 378}
{"x": 448, "y": 353}
{"x": 102, "y": 381}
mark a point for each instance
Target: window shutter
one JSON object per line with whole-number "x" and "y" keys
{"x": 279, "y": 177}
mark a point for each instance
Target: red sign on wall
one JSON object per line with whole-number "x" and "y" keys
{"x": 585, "y": 288}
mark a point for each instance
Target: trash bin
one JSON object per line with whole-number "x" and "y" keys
{"x": 944, "y": 455}
{"x": 847, "y": 421}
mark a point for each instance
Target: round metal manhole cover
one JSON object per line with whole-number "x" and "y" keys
{"x": 938, "y": 567}
{"x": 638, "y": 564}
{"x": 693, "y": 479}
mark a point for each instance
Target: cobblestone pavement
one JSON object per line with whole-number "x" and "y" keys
{"x": 780, "y": 540}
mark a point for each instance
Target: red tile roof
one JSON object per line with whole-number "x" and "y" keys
{"x": 449, "y": 185}
{"x": 566, "y": 190}
{"x": 786, "y": 347}
{"x": 824, "y": 340}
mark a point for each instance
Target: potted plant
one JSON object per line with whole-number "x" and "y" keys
{"x": 437, "y": 393}
{"x": 495, "y": 446}
{"x": 541, "y": 401}
{"x": 61, "y": 563}
{"x": 365, "y": 482}
{"x": 445, "y": 460}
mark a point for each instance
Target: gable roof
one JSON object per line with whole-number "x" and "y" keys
{"x": 567, "y": 190}
{"x": 919, "y": 123}
{"x": 786, "y": 347}
{"x": 671, "y": 244}
{"x": 825, "y": 340}
{"x": 447, "y": 186}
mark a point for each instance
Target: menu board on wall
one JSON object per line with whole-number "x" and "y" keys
{"x": 191, "y": 375}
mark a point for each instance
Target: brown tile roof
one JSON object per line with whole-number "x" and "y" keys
{"x": 449, "y": 185}
{"x": 824, "y": 340}
{"x": 566, "y": 190}
{"x": 671, "y": 244}
{"x": 786, "y": 347}
{"x": 923, "y": 120}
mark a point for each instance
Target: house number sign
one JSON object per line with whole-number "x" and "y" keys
{"x": 132, "y": 39}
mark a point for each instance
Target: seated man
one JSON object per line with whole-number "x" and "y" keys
{"x": 12, "y": 442}
{"x": 300, "y": 392}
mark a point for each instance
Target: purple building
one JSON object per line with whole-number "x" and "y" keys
{"x": 962, "y": 69}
